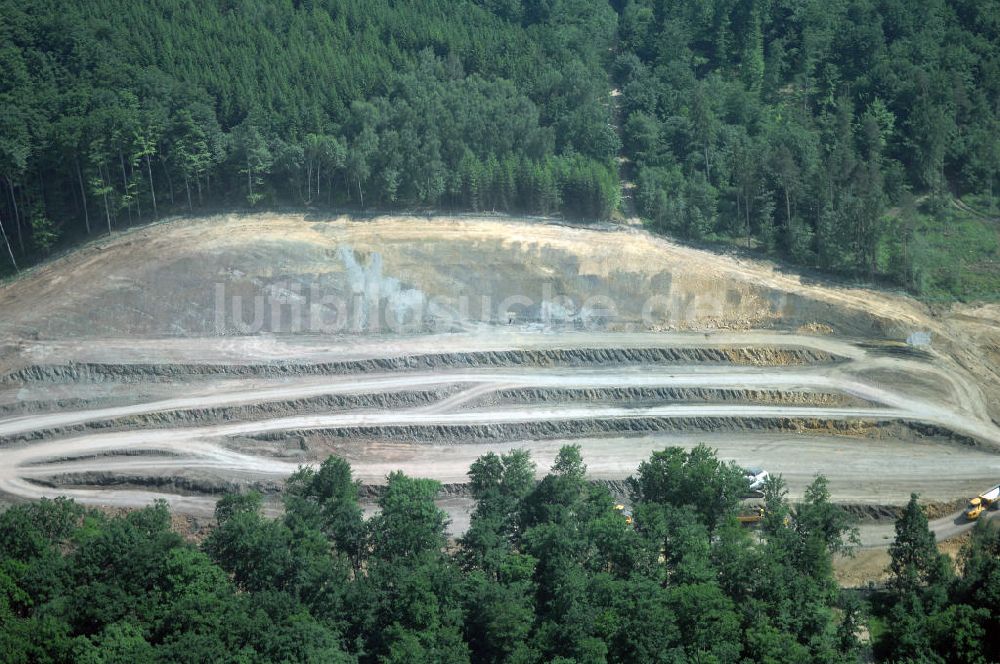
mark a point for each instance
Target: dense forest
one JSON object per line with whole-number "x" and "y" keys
{"x": 857, "y": 136}
{"x": 549, "y": 571}
{"x": 834, "y": 132}
{"x": 114, "y": 110}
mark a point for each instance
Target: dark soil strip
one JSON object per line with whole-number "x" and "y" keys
{"x": 518, "y": 431}
{"x": 575, "y": 357}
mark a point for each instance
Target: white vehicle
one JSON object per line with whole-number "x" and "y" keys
{"x": 756, "y": 477}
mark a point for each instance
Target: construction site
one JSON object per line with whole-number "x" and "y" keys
{"x": 196, "y": 356}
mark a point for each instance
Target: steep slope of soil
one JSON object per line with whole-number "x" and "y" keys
{"x": 193, "y": 356}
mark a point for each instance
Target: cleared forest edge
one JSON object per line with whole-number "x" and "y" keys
{"x": 161, "y": 281}
{"x": 439, "y": 256}
{"x": 145, "y": 385}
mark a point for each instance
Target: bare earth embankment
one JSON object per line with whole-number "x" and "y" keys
{"x": 191, "y": 357}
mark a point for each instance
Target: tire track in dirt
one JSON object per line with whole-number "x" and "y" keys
{"x": 465, "y": 400}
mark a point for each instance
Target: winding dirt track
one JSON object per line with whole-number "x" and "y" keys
{"x": 113, "y": 389}
{"x": 62, "y": 460}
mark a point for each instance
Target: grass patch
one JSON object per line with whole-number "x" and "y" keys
{"x": 945, "y": 254}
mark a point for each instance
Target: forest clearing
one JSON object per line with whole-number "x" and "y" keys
{"x": 499, "y": 331}
{"x": 158, "y": 402}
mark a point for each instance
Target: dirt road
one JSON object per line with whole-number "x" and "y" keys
{"x": 136, "y": 369}
{"x": 191, "y": 434}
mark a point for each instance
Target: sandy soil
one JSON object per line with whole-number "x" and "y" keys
{"x": 147, "y": 343}
{"x": 870, "y": 565}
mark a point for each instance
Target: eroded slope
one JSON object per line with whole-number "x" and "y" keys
{"x": 194, "y": 356}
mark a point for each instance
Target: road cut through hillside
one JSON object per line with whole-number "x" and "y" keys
{"x": 137, "y": 388}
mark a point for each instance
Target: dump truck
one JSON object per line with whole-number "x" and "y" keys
{"x": 981, "y": 503}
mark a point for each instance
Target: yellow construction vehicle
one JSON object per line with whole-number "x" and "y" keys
{"x": 753, "y": 517}
{"x": 625, "y": 513}
{"x": 755, "y": 514}
{"x": 981, "y": 503}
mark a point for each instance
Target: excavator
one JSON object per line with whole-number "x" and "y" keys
{"x": 981, "y": 503}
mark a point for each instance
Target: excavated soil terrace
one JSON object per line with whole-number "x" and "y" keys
{"x": 203, "y": 355}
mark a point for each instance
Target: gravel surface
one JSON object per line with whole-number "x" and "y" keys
{"x": 123, "y": 387}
